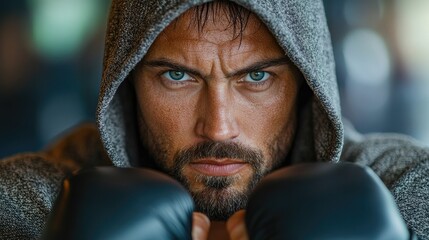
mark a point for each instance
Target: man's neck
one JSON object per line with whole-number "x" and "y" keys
{"x": 218, "y": 231}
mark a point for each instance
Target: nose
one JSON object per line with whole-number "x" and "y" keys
{"x": 216, "y": 120}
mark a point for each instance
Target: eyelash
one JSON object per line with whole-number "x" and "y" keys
{"x": 251, "y": 84}
{"x": 170, "y": 82}
{"x": 258, "y": 84}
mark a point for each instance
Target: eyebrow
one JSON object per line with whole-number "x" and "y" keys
{"x": 258, "y": 66}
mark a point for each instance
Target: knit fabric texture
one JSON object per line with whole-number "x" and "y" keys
{"x": 29, "y": 183}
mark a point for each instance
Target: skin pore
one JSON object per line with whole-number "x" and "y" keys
{"x": 216, "y": 111}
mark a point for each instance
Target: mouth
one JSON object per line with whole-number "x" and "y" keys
{"x": 218, "y": 167}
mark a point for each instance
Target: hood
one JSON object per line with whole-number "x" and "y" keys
{"x": 300, "y": 29}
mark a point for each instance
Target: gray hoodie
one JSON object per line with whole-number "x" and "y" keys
{"x": 29, "y": 183}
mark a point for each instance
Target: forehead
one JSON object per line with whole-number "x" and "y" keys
{"x": 206, "y": 22}
{"x": 216, "y": 29}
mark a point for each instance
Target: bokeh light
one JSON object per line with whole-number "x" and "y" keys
{"x": 366, "y": 57}
{"x": 412, "y": 34}
{"x": 51, "y": 57}
{"x": 60, "y": 27}
{"x": 412, "y": 26}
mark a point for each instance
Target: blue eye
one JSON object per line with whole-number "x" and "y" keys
{"x": 257, "y": 76}
{"x": 176, "y": 75}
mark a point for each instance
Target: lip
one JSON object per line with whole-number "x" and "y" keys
{"x": 218, "y": 167}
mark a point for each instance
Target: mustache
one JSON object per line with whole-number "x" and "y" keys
{"x": 212, "y": 149}
{"x": 213, "y": 200}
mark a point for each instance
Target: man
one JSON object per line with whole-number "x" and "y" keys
{"x": 217, "y": 95}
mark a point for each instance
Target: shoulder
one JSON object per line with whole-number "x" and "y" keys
{"x": 402, "y": 163}
{"x": 389, "y": 155}
{"x": 79, "y": 147}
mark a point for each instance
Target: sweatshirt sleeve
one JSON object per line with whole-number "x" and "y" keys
{"x": 29, "y": 185}
{"x": 403, "y": 165}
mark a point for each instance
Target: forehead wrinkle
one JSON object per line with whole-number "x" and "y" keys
{"x": 193, "y": 38}
{"x": 190, "y": 54}
{"x": 217, "y": 21}
{"x": 217, "y": 32}
{"x": 220, "y": 50}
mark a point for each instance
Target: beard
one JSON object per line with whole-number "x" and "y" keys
{"x": 220, "y": 196}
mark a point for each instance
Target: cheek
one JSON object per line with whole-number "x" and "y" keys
{"x": 271, "y": 123}
{"x": 167, "y": 118}
{"x": 268, "y": 124}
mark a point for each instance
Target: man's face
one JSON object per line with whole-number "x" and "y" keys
{"x": 216, "y": 111}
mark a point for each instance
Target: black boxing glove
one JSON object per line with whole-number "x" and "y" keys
{"x": 118, "y": 203}
{"x": 324, "y": 201}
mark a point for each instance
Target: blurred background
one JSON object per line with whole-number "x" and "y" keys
{"x": 50, "y": 67}
{"x": 51, "y": 58}
{"x": 382, "y": 55}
